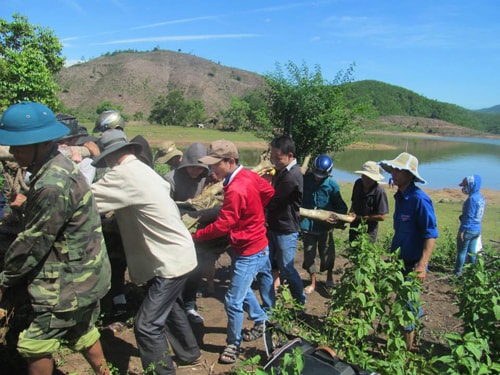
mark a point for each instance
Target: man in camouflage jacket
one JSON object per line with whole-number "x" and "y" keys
{"x": 59, "y": 254}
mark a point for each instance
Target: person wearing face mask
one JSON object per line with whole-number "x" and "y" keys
{"x": 158, "y": 249}
{"x": 470, "y": 222}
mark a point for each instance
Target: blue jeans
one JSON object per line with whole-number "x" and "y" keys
{"x": 467, "y": 246}
{"x": 160, "y": 316}
{"x": 283, "y": 248}
{"x": 240, "y": 296}
{"x": 409, "y": 267}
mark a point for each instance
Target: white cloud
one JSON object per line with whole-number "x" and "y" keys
{"x": 179, "y": 38}
{"x": 173, "y": 22}
{"x": 72, "y": 62}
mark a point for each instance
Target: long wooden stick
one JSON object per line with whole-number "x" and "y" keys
{"x": 323, "y": 215}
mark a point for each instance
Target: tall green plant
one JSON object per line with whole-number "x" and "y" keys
{"x": 477, "y": 350}
{"x": 446, "y": 250}
{"x": 369, "y": 309}
{"x": 237, "y": 115}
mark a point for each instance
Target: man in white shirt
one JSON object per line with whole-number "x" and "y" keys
{"x": 158, "y": 248}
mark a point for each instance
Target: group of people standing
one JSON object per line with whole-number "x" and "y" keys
{"x": 60, "y": 254}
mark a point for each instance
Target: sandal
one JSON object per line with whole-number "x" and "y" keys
{"x": 180, "y": 364}
{"x": 229, "y": 355}
{"x": 308, "y": 289}
{"x": 257, "y": 331}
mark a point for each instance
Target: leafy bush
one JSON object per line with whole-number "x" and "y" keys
{"x": 477, "y": 350}
{"x": 446, "y": 250}
{"x": 369, "y": 309}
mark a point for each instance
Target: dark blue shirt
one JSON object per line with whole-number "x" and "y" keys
{"x": 414, "y": 222}
{"x": 324, "y": 195}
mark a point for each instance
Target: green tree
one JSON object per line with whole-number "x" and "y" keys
{"x": 195, "y": 113}
{"x": 314, "y": 112}
{"x": 30, "y": 56}
{"x": 259, "y": 112}
{"x": 236, "y": 117}
{"x": 173, "y": 109}
{"x": 107, "y": 106}
{"x": 138, "y": 116}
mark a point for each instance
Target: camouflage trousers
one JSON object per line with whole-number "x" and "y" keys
{"x": 49, "y": 331}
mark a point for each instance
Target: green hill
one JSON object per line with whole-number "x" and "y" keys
{"x": 390, "y": 100}
{"x": 494, "y": 109}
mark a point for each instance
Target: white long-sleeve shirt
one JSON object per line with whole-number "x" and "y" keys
{"x": 156, "y": 241}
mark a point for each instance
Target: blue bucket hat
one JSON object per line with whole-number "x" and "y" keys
{"x": 27, "y": 123}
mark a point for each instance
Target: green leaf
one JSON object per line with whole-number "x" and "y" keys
{"x": 496, "y": 311}
{"x": 362, "y": 298}
{"x": 472, "y": 348}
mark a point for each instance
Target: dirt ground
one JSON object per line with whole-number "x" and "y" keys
{"x": 121, "y": 351}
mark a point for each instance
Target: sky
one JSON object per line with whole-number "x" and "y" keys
{"x": 445, "y": 50}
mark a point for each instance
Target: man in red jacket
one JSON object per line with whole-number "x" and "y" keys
{"x": 242, "y": 217}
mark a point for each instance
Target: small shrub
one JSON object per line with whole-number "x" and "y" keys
{"x": 446, "y": 250}
{"x": 477, "y": 350}
{"x": 369, "y": 309}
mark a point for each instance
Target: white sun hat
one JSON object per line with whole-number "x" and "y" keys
{"x": 371, "y": 170}
{"x": 404, "y": 161}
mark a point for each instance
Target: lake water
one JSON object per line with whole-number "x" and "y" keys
{"x": 443, "y": 161}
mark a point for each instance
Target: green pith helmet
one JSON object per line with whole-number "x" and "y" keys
{"x": 27, "y": 123}
{"x": 109, "y": 120}
{"x": 71, "y": 122}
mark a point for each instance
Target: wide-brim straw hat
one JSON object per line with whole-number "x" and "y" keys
{"x": 111, "y": 141}
{"x": 404, "y": 161}
{"x": 371, "y": 170}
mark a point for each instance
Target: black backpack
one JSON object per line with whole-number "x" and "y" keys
{"x": 317, "y": 360}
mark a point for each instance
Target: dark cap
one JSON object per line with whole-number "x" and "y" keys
{"x": 111, "y": 141}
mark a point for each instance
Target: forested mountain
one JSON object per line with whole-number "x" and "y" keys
{"x": 390, "y": 100}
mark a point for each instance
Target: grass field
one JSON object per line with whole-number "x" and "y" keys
{"x": 183, "y": 136}
{"x": 447, "y": 207}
